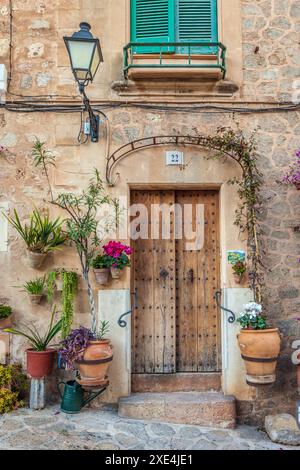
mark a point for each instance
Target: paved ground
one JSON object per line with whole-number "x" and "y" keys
{"x": 104, "y": 429}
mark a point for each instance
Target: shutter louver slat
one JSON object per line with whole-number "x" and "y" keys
{"x": 197, "y": 21}
{"x": 152, "y": 21}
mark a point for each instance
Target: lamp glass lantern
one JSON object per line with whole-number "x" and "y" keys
{"x": 85, "y": 54}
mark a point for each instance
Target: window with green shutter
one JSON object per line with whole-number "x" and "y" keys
{"x": 174, "y": 21}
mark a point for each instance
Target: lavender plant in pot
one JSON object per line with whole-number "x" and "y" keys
{"x": 89, "y": 353}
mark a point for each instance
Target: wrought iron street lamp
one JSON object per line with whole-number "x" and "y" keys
{"x": 85, "y": 56}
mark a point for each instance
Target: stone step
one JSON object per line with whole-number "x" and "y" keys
{"x": 209, "y": 409}
{"x": 179, "y": 382}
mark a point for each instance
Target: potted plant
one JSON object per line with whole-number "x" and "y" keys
{"x": 68, "y": 289}
{"x": 259, "y": 345}
{"x": 239, "y": 269}
{"x": 40, "y": 357}
{"x": 5, "y": 316}
{"x": 89, "y": 353}
{"x": 35, "y": 289}
{"x": 101, "y": 267}
{"x": 117, "y": 254}
{"x": 292, "y": 176}
{"x": 41, "y": 235}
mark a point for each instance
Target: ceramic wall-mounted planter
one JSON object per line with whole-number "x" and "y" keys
{"x": 115, "y": 273}
{"x": 36, "y": 298}
{"x": 35, "y": 260}
{"x": 6, "y": 322}
{"x": 260, "y": 350}
{"x": 101, "y": 276}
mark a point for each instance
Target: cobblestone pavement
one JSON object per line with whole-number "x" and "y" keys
{"x": 104, "y": 429}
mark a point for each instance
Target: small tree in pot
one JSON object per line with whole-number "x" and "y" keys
{"x": 259, "y": 345}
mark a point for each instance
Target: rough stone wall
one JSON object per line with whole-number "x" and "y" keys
{"x": 271, "y": 65}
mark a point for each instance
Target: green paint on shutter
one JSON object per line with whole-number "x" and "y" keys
{"x": 152, "y": 21}
{"x": 197, "y": 21}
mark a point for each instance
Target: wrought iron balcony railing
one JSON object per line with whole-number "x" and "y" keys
{"x": 175, "y": 55}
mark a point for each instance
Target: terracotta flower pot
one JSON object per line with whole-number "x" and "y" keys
{"x": 40, "y": 363}
{"x": 260, "y": 350}
{"x": 237, "y": 278}
{"x": 115, "y": 272}
{"x": 35, "y": 260}
{"x": 6, "y": 322}
{"x": 96, "y": 360}
{"x": 36, "y": 298}
{"x": 101, "y": 276}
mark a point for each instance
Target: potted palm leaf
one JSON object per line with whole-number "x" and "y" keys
{"x": 5, "y": 316}
{"x": 35, "y": 289}
{"x": 40, "y": 357}
{"x": 41, "y": 235}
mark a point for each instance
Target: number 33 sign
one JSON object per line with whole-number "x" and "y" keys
{"x": 174, "y": 158}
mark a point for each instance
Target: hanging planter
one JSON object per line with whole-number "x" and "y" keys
{"x": 35, "y": 260}
{"x": 259, "y": 346}
{"x": 115, "y": 272}
{"x": 102, "y": 276}
{"x": 101, "y": 268}
{"x": 5, "y": 316}
{"x": 117, "y": 255}
{"x": 239, "y": 271}
{"x": 35, "y": 289}
{"x": 41, "y": 236}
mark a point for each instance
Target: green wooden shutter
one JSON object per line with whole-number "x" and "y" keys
{"x": 197, "y": 20}
{"x": 152, "y": 21}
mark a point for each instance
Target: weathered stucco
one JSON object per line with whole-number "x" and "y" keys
{"x": 265, "y": 65}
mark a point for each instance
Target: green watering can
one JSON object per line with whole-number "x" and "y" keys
{"x": 72, "y": 399}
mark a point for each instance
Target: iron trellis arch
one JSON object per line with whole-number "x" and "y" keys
{"x": 140, "y": 144}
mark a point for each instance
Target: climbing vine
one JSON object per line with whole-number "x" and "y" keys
{"x": 233, "y": 143}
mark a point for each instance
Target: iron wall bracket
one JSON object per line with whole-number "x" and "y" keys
{"x": 217, "y": 297}
{"x": 122, "y": 323}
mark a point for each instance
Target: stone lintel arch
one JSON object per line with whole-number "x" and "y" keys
{"x": 146, "y": 142}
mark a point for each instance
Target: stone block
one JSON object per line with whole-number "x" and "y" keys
{"x": 283, "y": 428}
{"x": 210, "y": 409}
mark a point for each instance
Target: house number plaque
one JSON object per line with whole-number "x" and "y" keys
{"x": 174, "y": 157}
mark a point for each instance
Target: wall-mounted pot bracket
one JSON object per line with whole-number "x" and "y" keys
{"x": 217, "y": 297}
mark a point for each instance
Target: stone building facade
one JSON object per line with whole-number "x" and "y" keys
{"x": 263, "y": 71}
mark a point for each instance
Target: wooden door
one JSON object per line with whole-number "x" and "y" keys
{"x": 175, "y": 327}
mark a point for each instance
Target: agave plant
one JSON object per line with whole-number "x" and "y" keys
{"x": 41, "y": 235}
{"x": 37, "y": 340}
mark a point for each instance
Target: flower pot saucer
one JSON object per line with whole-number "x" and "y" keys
{"x": 89, "y": 384}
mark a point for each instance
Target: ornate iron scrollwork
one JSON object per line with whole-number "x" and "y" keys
{"x": 122, "y": 323}
{"x": 217, "y": 297}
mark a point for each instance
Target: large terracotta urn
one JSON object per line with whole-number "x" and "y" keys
{"x": 260, "y": 350}
{"x": 93, "y": 367}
